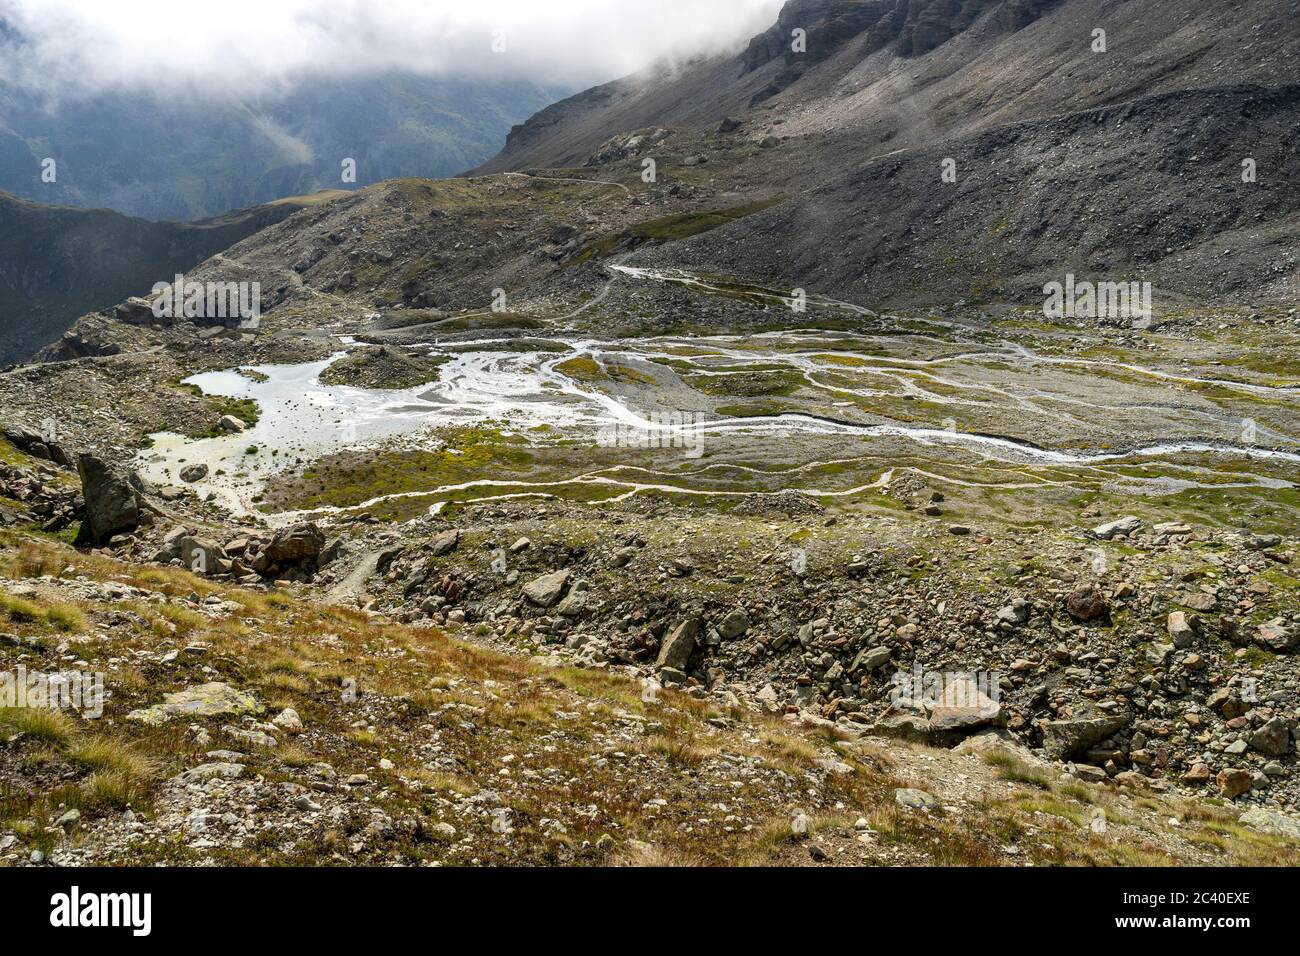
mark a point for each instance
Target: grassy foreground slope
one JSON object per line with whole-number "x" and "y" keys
{"x": 415, "y": 748}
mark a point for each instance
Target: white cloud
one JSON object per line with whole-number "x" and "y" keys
{"x": 249, "y": 46}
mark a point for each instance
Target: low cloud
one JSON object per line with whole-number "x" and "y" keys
{"x": 249, "y": 47}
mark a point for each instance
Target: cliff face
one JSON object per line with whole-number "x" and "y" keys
{"x": 57, "y": 263}
{"x": 914, "y": 27}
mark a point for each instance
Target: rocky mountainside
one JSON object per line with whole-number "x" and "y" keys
{"x": 891, "y": 74}
{"x": 57, "y": 263}
{"x": 1125, "y": 164}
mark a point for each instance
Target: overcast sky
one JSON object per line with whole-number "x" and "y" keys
{"x": 251, "y": 46}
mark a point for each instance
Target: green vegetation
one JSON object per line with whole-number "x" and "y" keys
{"x": 749, "y": 384}
{"x": 245, "y": 409}
{"x": 349, "y": 479}
{"x": 591, "y": 372}
{"x": 670, "y": 228}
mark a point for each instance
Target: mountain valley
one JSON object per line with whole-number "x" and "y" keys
{"x": 610, "y": 502}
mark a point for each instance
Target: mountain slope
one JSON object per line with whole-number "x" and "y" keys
{"x": 1036, "y": 200}
{"x": 913, "y": 72}
{"x": 1127, "y": 162}
{"x": 57, "y": 263}
{"x": 186, "y": 157}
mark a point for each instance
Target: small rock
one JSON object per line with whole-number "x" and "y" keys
{"x": 914, "y": 799}
{"x": 1181, "y": 631}
{"x": 1233, "y": 782}
{"x": 1087, "y": 603}
{"x": 288, "y": 721}
{"x": 1125, "y": 526}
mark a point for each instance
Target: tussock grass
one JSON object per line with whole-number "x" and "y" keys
{"x": 113, "y": 790}
{"x": 113, "y": 756}
{"x": 652, "y": 856}
{"x": 44, "y": 724}
{"x": 794, "y": 752}
{"x": 679, "y": 752}
{"x": 1012, "y": 768}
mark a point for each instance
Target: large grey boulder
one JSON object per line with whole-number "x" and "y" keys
{"x": 1271, "y": 821}
{"x": 1181, "y": 629}
{"x": 677, "y": 646}
{"x": 548, "y": 589}
{"x": 1277, "y": 636}
{"x": 134, "y": 311}
{"x": 112, "y": 505}
{"x": 1126, "y": 526}
{"x": 964, "y": 706}
{"x": 215, "y": 699}
{"x": 200, "y": 555}
{"x": 872, "y": 658}
{"x": 302, "y": 542}
{"x": 1062, "y": 739}
{"x": 734, "y": 625}
{"x": 1273, "y": 738}
{"x": 445, "y": 542}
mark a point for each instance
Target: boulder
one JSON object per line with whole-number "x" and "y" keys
{"x": 1087, "y": 603}
{"x": 229, "y": 423}
{"x": 200, "y": 555}
{"x": 203, "y": 700}
{"x": 914, "y": 799}
{"x": 288, "y": 721}
{"x": 134, "y": 311}
{"x": 1062, "y": 739}
{"x": 872, "y": 658}
{"x": 677, "y": 646}
{"x": 1271, "y": 821}
{"x": 193, "y": 473}
{"x": 1125, "y": 526}
{"x": 574, "y": 605}
{"x": 210, "y": 771}
{"x": 547, "y": 590}
{"x": 1273, "y": 739}
{"x": 903, "y": 727}
{"x": 1233, "y": 782}
{"x": 1181, "y": 631}
{"x": 171, "y": 542}
{"x": 112, "y": 506}
{"x": 1277, "y": 636}
{"x": 963, "y": 706}
{"x": 302, "y": 542}
{"x": 445, "y": 542}
{"x": 734, "y": 624}
{"x": 1015, "y": 613}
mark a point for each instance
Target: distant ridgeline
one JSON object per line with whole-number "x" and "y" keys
{"x": 187, "y": 159}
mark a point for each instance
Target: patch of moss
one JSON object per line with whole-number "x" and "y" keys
{"x": 588, "y": 370}
{"x": 349, "y": 479}
{"x": 670, "y": 228}
{"x": 748, "y": 384}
